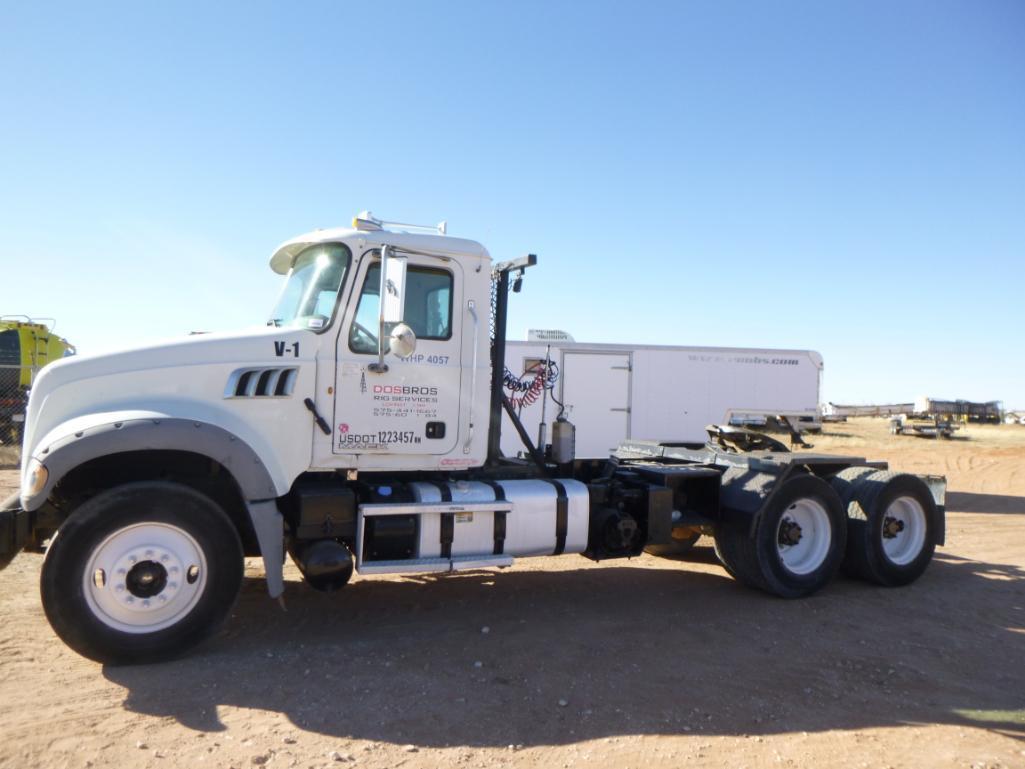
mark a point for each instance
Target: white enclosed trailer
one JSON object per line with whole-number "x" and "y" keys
{"x": 613, "y": 392}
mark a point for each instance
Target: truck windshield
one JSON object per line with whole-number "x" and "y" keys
{"x": 311, "y": 289}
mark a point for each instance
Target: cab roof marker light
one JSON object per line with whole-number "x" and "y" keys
{"x": 367, "y": 222}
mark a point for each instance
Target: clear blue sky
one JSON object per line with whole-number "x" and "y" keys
{"x": 847, "y": 177}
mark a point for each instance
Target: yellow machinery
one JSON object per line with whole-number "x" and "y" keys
{"x": 26, "y": 345}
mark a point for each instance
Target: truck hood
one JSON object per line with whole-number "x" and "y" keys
{"x": 187, "y": 350}
{"x": 192, "y": 367}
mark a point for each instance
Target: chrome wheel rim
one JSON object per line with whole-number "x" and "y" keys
{"x": 144, "y": 578}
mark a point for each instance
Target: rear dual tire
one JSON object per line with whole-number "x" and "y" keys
{"x": 891, "y": 526}
{"x": 797, "y": 543}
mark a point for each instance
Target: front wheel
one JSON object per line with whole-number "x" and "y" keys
{"x": 141, "y": 573}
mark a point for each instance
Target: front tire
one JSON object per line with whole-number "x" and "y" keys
{"x": 141, "y": 573}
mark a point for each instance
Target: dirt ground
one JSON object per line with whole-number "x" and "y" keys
{"x": 559, "y": 662}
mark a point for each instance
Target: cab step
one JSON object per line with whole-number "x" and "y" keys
{"x": 422, "y": 508}
{"x": 436, "y": 565}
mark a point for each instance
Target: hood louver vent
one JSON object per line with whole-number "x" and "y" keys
{"x": 261, "y": 383}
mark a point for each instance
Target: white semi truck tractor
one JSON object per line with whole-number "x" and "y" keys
{"x": 359, "y": 430}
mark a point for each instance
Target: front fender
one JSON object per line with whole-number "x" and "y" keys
{"x": 137, "y": 432}
{"x": 140, "y": 432}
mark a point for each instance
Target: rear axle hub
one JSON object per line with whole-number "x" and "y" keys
{"x": 892, "y": 527}
{"x": 789, "y": 532}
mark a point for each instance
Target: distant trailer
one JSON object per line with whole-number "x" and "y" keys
{"x": 962, "y": 410}
{"x": 923, "y": 427}
{"x": 836, "y": 410}
{"x": 613, "y": 392}
{"x": 924, "y": 408}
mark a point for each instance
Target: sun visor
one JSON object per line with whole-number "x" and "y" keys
{"x": 281, "y": 261}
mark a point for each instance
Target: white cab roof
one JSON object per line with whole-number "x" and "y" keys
{"x": 440, "y": 245}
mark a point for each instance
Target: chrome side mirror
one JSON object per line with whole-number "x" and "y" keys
{"x": 403, "y": 340}
{"x": 392, "y": 301}
{"x": 393, "y": 286}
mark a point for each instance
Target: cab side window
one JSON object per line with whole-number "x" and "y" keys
{"x": 427, "y": 309}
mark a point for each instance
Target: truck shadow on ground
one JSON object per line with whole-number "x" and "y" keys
{"x": 964, "y": 502}
{"x": 644, "y": 647}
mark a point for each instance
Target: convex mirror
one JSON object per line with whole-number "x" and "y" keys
{"x": 403, "y": 340}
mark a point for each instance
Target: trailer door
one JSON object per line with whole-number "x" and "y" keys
{"x": 596, "y": 391}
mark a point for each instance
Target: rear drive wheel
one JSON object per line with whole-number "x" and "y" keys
{"x": 797, "y": 543}
{"x": 891, "y": 533}
{"x": 141, "y": 573}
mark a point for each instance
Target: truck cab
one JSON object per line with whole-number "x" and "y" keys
{"x": 414, "y": 411}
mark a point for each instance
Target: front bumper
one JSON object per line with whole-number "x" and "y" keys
{"x": 15, "y": 528}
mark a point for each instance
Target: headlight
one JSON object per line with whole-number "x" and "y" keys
{"x": 35, "y": 478}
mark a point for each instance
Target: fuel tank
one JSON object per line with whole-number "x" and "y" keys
{"x": 547, "y": 517}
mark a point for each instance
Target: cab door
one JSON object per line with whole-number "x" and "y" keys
{"x": 412, "y": 408}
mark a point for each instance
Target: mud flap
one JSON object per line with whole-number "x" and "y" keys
{"x": 938, "y": 486}
{"x": 15, "y": 527}
{"x": 269, "y": 526}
